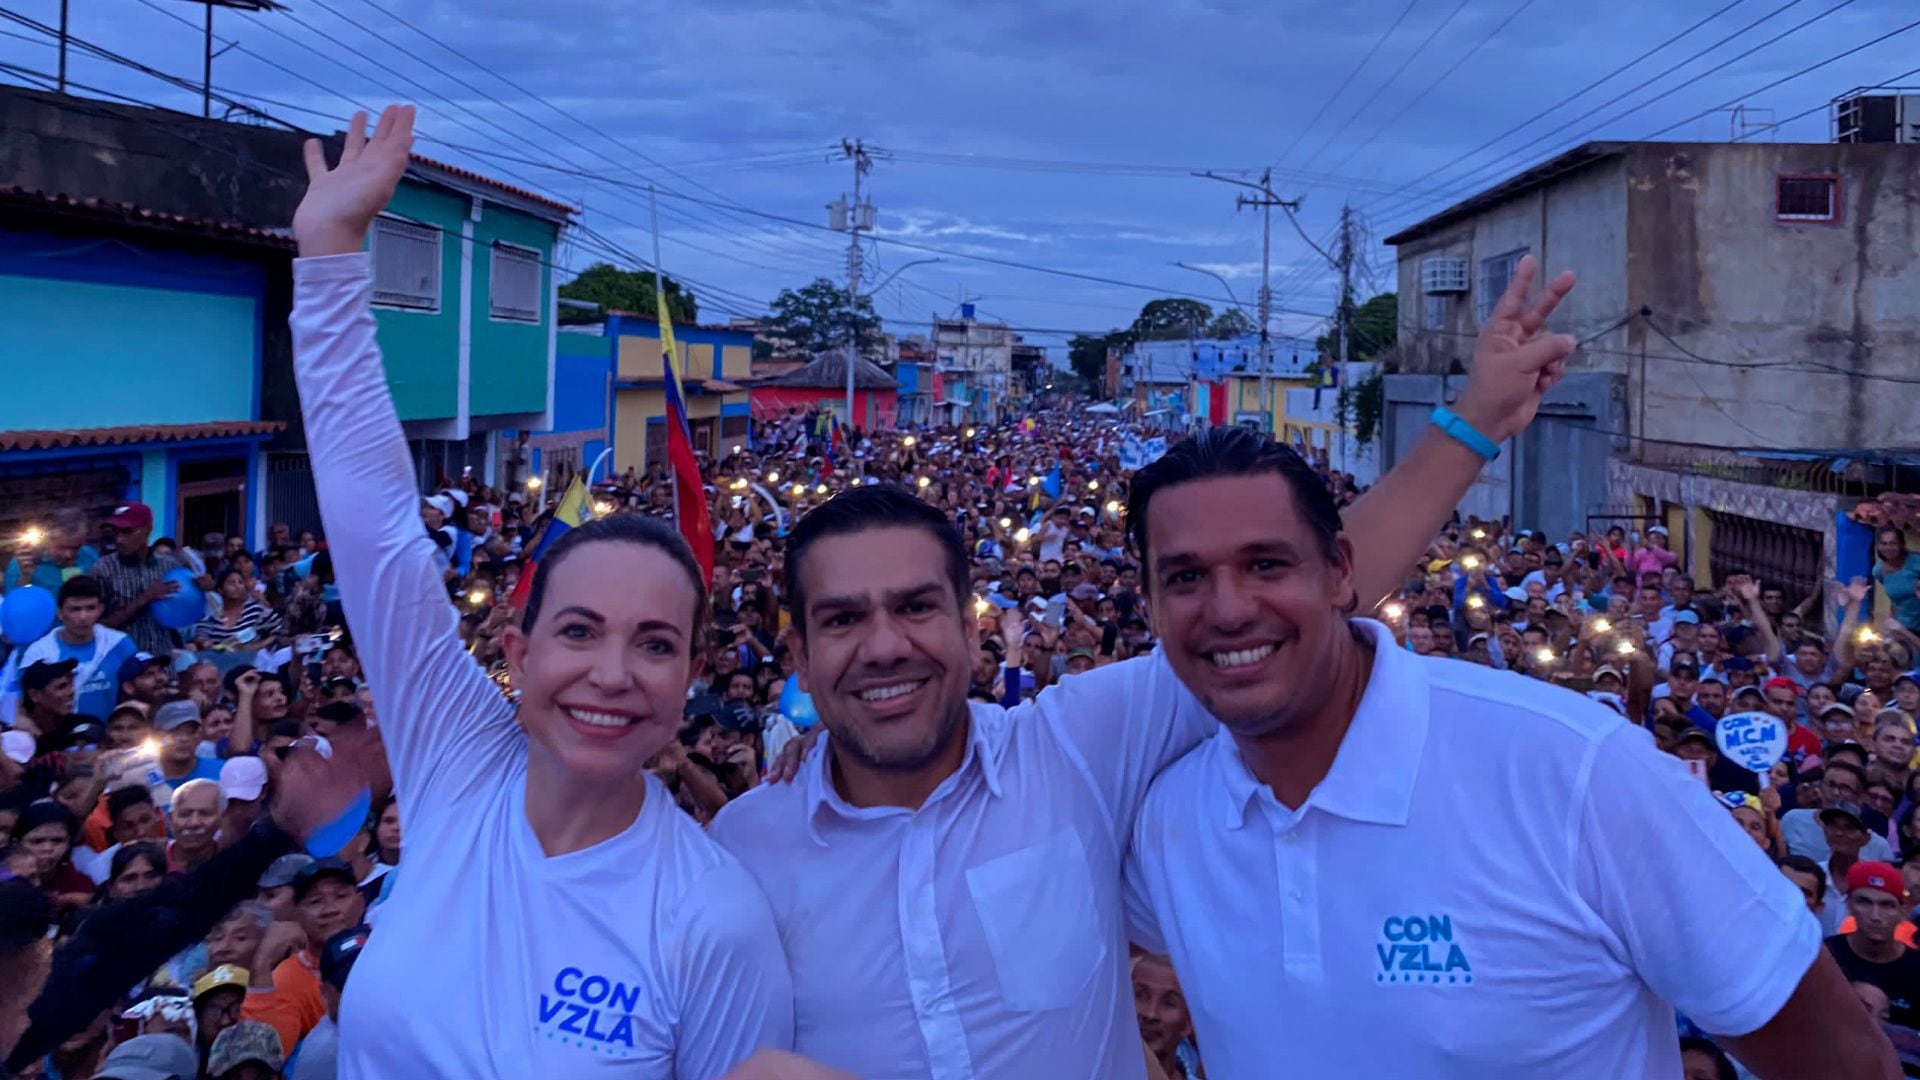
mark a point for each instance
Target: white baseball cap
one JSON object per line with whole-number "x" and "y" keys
{"x": 243, "y": 778}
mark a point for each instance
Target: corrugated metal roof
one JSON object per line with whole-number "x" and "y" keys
{"x": 830, "y": 371}
{"x": 141, "y": 215}
{"x": 487, "y": 181}
{"x": 131, "y": 435}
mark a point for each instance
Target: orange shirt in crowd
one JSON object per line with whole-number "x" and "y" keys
{"x": 1902, "y": 933}
{"x": 294, "y": 1006}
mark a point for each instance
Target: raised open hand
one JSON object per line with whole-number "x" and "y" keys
{"x": 1516, "y": 361}
{"x": 342, "y": 202}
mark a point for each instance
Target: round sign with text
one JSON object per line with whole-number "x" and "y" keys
{"x": 1754, "y": 740}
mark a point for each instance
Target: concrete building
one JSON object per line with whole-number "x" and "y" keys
{"x": 976, "y": 365}
{"x": 163, "y": 273}
{"x": 1743, "y": 307}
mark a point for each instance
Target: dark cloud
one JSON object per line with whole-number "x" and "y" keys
{"x": 750, "y": 94}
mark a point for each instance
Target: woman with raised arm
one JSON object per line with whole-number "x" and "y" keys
{"x": 560, "y": 916}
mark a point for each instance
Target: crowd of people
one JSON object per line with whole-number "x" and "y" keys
{"x": 201, "y": 825}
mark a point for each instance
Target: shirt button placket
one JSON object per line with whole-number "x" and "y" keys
{"x": 928, "y": 981}
{"x": 1300, "y": 909}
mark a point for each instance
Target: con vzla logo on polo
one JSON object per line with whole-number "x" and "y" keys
{"x": 590, "y": 1011}
{"x": 1421, "y": 949}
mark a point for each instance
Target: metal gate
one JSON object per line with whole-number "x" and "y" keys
{"x": 1773, "y": 553}
{"x": 290, "y": 496}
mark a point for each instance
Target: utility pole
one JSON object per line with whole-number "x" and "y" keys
{"x": 853, "y": 219}
{"x": 1266, "y": 201}
{"x": 1344, "y": 261}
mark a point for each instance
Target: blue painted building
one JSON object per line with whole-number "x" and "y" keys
{"x": 133, "y": 349}
{"x": 609, "y": 393}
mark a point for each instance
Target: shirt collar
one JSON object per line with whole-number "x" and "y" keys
{"x": 1378, "y": 761}
{"x": 982, "y": 756}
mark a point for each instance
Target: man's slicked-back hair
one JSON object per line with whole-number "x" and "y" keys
{"x": 622, "y": 529}
{"x": 859, "y": 509}
{"x": 1231, "y": 451}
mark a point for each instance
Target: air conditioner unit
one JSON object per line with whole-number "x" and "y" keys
{"x": 1876, "y": 118}
{"x": 1443, "y": 276}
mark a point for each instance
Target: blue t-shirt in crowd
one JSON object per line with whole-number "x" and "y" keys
{"x": 102, "y": 689}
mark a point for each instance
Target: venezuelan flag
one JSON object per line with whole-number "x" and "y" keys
{"x": 574, "y": 508}
{"x": 689, "y": 502}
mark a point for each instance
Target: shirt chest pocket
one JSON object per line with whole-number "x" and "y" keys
{"x": 1036, "y": 907}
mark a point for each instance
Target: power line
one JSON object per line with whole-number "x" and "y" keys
{"x": 1473, "y": 177}
{"x": 1570, "y": 98}
{"x": 1348, "y": 81}
{"x": 1386, "y": 125}
{"x": 1381, "y": 87}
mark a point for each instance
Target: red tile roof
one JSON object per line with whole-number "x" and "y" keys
{"x": 487, "y": 181}
{"x": 140, "y": 215}
{"x": 135, "y": 434}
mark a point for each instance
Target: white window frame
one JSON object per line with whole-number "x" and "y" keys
{"x": 385, "y": 292}
{"x": 1444, "y": 275}
{"x": 1496, "y": 273}
{"x": 1434, "y": 314}
{"x": 515, "y": 252}
{"x": 1832, "y": 182}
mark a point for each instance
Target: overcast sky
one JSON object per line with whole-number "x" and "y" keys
{"x": 1006, "y": 119}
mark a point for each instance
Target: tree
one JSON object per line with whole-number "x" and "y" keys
{"x": 820, "y": 317}
{"x": 1231, "y": 323}
{"x": 615, "y": 289}
{"x": 1373, "y": 332}
{"x": 1087, "y": 355}
{"x": 1166, "y": 319}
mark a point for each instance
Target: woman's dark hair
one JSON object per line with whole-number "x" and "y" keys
{"x": 625, "y": 529}
{"x": 123, "y": 857}
{"x": 1722, "y": 1065}
{"x": 1232, "y": 451}
{"x": 857, "y": 510}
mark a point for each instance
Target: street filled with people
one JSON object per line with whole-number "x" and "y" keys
{"x": 1039, "y": 746}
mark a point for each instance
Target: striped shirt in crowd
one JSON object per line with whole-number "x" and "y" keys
{"x": 122, "y": 581}
{"x": 257, "y": 622}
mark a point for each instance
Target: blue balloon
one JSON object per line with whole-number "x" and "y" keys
{"x": 184, "y": 608}
{"x": 797, "y": 705}
{"x": 27, "y": 614}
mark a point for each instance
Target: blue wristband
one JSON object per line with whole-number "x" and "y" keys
{"x": 334, "y": 836}
{"x": 1464, "y": 433}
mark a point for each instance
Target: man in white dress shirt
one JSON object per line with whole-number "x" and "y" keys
{"x": 946, "y": 877}
{"x": 1432, "y": 869}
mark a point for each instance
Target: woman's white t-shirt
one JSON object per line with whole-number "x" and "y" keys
{"x": 651, "y": 954}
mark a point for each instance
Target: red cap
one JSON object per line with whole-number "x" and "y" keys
{"x": 1782, "y": 683}
{"x": 132, "y": 516}
{"x": 1877, "y": 875}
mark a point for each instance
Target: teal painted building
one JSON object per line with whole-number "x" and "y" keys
{"x": 464, "y": 294}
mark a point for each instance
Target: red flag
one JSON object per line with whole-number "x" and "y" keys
{"x": 689, "y": 501}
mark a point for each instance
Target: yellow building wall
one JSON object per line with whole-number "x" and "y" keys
{"x": 631, "y": 411}
{"x": 698, "y": 363}
{"x": 1700, "y": 552}
{"x": 736, "y": 362}
{"x": 639, "y": 358}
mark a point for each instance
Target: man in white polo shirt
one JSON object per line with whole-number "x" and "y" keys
{"x": 947, "y": 879}
{"x": 1431, "y": 869}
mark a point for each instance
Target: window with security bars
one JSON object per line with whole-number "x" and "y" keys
{"x": 406, "y": 265}
{"x": 1496, "y": 274}
{"x": 514, "y": 292}
{"x": 1807, "y": 198}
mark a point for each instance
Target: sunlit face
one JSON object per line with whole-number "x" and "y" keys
{"x": 603, "y": 673}
{"x": 386, "y": 831}
{"x": 1246, "y": 602}
{"x": 1750, "y": 820}
{"x": 1160, "y": 1006}
{"x": 78, "y": 614}
{"x": 55, "y": 699}
{"x": 233, "y": 941}
{"x": 329, "y": 906}
{"x": 1893, "y": 743}
{"x": 196, "y": 814}
{"x": 1783, "y": 703}
{"x": 1712, "y": 697}
{"x": 138, "y": 877}
{"x": 1876, "y": 914}
{"x": 234, "y": 587}
{"x": 887, "y": 651}
{"x": 270, "y": 701}
{"x": 1809, "y": 887}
